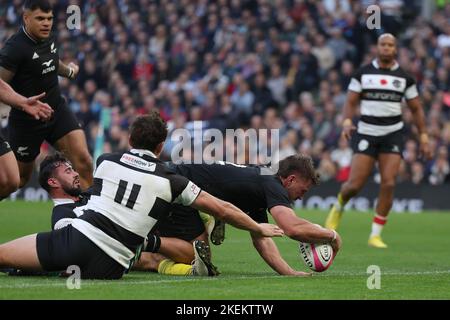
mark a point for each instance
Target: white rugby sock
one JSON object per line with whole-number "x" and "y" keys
{"x": 377, "y": 225}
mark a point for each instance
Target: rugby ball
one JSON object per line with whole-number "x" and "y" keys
{"x": 318, "y": 257}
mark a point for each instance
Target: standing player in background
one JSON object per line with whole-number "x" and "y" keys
{"x": 9, "y": 172}
{"x": 380, "y": 88}
{"x": 29, "y": 61}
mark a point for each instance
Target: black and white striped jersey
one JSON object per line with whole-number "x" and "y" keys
{"x": 131, "y": 191}
{"x": 381, "y": 92}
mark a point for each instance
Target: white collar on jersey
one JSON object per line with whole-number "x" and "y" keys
{"x": 376, "y": 65}
{"x": 142, "y": 152}
{"x": 57, "y": 202}
{"x": 28, "y": 35}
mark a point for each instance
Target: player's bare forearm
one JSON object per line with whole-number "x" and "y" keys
{"x": 32, "y": 105}
{"x": 10, "y": 97}
{"x": 268, "y": 250}
{"x": 6, "y": 75}
{"x": 348, "y": 112}
{"x": 231, "y": 214}
{"x": 419, "y": 120}
{"x": 69, "y": 71}
{"x": 418, "y": 114}
{"x": 63, "y": 70}
{"x": 351, "y": 104}
{"x": 300, "y": 229}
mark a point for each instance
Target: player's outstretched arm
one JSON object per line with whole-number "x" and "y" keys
{"x": 302, "y": 230}
{"x": 32, "y": 105}
{"x": 233, "y": 215}
{"x": 268, "y": 250}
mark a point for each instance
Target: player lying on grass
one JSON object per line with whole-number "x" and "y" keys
{"x": 62, "y": 182}
{"x": 254, "y": 193}
{"x": 131, "y": 192}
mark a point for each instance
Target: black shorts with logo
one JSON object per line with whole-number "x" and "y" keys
{"x": 182, "y": 223}
{"x": 4, "y": 146}
{"x": 59, "y": 249}
{"x": 26, "y": 135}
{"x": 374, "y": 145}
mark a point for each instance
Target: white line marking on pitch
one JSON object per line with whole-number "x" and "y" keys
{"x": 88, "y": 283}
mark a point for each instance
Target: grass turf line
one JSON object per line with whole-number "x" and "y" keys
{"x": 415, "y": 266}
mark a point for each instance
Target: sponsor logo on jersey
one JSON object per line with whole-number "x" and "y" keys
{"x": 35, "y": 56}
{"x": 47, "y": 63}
{"x": 195, "y": 190}
{"x": 49, "y": 68}
{"x": 396, "y": 83}
{"x": 383, "y": 96}
{"x": 21, "y": 151}
{"x": 138, "y": 162}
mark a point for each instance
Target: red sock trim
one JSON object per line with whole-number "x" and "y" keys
{"x": 380, "y": 220}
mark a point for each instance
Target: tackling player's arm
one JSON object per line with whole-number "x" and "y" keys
{"x": 31, "y": 105}
{"x": 231, "y": 214}
{"x": 69, "y": 71}
{"x": 302, "y": 230}
{"x": 268, "y": 250}
{"x": 419, "y": 119}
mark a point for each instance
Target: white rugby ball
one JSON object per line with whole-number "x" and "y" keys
{"x": 318, "y": 257}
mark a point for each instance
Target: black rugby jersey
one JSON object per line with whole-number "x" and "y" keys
{"x": 243, "y": 186}
{"x": 35, "y": 65}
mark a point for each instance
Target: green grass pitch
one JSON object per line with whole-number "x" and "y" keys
{"x": 415, "y": 266}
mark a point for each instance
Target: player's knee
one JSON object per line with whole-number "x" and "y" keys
{"x": 8, "y": 185}
{"x": 352, "y": 188}
{"x": 388, "y": 185}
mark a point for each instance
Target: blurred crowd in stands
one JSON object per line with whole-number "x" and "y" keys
{"x": 274, "y": 64}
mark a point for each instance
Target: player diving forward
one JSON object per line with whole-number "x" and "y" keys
{"x": 131, "y": 192}
{"x": 255, "y": 194}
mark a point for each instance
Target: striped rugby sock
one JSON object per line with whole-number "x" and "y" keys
{"x": 377, "y": 225}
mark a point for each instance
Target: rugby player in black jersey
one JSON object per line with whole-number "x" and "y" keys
{"x": 256, "y": 194}
{"x": 29, "y": 62}
{"x": 9, "y": 171}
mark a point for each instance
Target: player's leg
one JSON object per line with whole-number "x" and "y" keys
{"x": 215, "y": 228}
{"x": 9, "y": 170}
{"x": 25, "y": 138}
{"x": 389, "y": 165}
{"x": 361, "y": 168}
{"x": 177, "y": 250}
{"x": 68, "y": 137}
{"x": 184, "y": 223}
{"x": 73, "y": 145}
{"x": 25, "y": 170}
{"x": 20, "y": 254}
{"x": 201, "y": 264}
